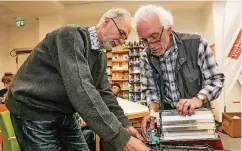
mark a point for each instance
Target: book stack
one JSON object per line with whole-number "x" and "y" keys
{"x": 199, "y": 126}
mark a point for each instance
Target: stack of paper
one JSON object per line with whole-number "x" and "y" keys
{"x": 131, "y": 107}
{"x": 199, "y": 126}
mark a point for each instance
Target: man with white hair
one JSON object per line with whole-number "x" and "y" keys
{"x": 179, "y": 70}
{"x": 66, "y": 73}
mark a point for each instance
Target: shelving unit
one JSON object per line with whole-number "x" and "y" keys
{"x": 123, "y": 67}
{"x": 135, "y": 93}
{"x": 120, "y": 69}
{"x": 109, "y": 65}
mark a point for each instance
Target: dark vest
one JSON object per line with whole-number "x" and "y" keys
{"x": 188, "y": 74}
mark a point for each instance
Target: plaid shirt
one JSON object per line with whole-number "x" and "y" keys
{"x": 212, "y": 78}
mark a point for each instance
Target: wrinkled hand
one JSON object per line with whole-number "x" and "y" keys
{"x": 83, "y": 123}
{"x": 133, "y": 132}
{"x": 191, "y": 104}
{"x": 148, "y": 122}
{"x": 135, "y": 145}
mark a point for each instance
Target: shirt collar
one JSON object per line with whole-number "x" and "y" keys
{"x": 94, "y": 39}
{"x": 171, "y": 49}
{"x": 174, "y": 41}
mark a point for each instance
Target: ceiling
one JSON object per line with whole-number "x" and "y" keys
{"x": 30, "y": 11}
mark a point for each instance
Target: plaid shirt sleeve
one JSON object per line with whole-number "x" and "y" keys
{"x": 212, "y": 77}
{"x": 148, "y": 86}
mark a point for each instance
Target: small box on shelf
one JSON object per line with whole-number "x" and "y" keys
{"x": 137, "y": 97}
{"x": 131, "y": 97}
{"x": 136, "y": 78}
{"x": 109, "y": 55}
{"x": 108, "y": 69}
{"x": 137, "y": 88}
{"x": 109, "y": 63}
{"x": 131, "y": 78}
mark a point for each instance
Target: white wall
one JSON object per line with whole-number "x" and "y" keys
{"x": 189, "y": 21}
{"x": 234, "y": 96}
{"x": 208, "y": 24}
{"x": 21, "y": 37}
{"x": 48, "y": 24}
{"x": 3, "y": 52}
{"x": 184, "y": 21}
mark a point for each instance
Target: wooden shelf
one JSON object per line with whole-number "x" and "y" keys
{"x": 123, "y": 51}
{"x": 134, "y": 82}
{"x": 120, "y": 79}
{"x": 124, "y": 89}
{"x": 120, "y": 60}
{"x": 134, "y": 56}
{"x": 134, "y": 47}
{"x": 134, "y": 73}
{"x": 120, "y": 70}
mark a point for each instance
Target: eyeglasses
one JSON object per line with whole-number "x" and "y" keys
{"x": 153, "y": 38}
{"x": 121, "y": 32}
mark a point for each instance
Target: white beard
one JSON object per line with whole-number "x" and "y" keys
{"x": 107, "y": 45}
{"x": 106, "y": 42}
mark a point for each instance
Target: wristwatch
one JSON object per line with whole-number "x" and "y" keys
{"x": 202, "y": 97}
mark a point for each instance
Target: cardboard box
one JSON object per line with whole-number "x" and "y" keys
{"x": 231, "y": 123}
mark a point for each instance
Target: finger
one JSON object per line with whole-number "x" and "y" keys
{"x": 140, "y": 137}
{"x": 152, "y": 124}
{"x": 144, "y": 126}
{"x": 142, "y": 147}
{"x": 180, "y": 105}
{"x": 197, "y": 105}
{"x": 185, "y": 106}
{"x": 192, "y": 108}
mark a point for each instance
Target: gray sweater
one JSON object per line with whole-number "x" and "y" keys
{"x": 64, "y": 75}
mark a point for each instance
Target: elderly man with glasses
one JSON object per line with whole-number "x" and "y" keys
{"x": 66, "y": 73}
{"x": 179, "y": 70}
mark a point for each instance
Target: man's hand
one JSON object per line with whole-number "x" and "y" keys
{"x": 83, "y": 123}
{"x": 135, "y": 145}
{"x": 133, "y": 132}
{"x": 191, "y": 104}
{"x": 147, "y": 122}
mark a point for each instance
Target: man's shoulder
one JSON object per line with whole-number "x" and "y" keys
{"x": 68, "y": 30}
{"x": 188, "y": 36}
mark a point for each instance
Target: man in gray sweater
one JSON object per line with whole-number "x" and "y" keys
{"x": 66, "y": 73}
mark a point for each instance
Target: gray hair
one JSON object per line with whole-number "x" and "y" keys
{"x": 165, "y": 17}
{"x": 116, "y": 13}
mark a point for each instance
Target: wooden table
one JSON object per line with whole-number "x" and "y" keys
{"x": 134, "y": 119}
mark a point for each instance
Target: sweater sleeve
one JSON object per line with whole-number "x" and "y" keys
{"x": 109, "y": 99}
